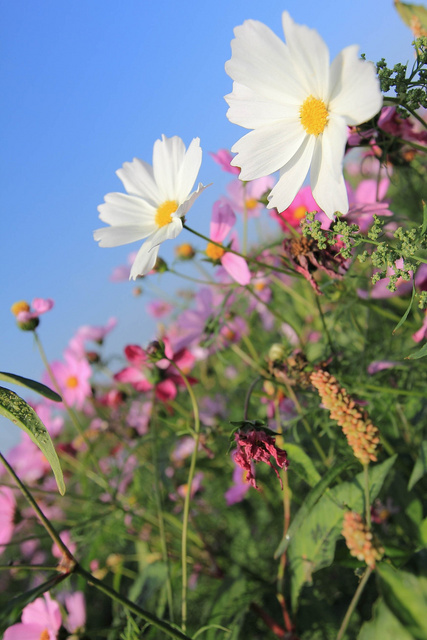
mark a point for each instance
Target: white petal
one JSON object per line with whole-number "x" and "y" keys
{"x": 116, "y": 236}
{"x": 144, "y": 261}
{"x": 327, "y": 182}
{"x": 267, "y": 149}
{"x": 292, "y": 176}
{"x": 122, "y": 209}
{"x": 138, "y": 179}
{"x": 309, "y": 57}
{"x": 168, "y": 156}
{"x": 354, "y": 87}
{"x": 188, "y": 171}
{"x": 187, "y": 204}
{"x": 251, "y": 110}
{"x": 260, "y": 61}
{"x": 168, "y": 232}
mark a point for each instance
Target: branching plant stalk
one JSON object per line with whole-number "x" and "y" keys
{"x": 353, "y": 603}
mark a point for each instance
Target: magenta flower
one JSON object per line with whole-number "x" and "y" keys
{"x": 246, "y": 196}
{"x": 7, "y": 514}
{"x": 366, "y": 201}
{"x": 240, "y": 486}
{"x": 256, "y": 446}
{"x": 292, "y": 216}
{"x": 421, "y": 334}
{"x": 72, "y": 376}
{"x": 41, "y": 620}
{"x": 223, "y": 157}
{"x": 38, "y": 306}
{"x": 403, "y": 128}
{"x": 223, "y": 219}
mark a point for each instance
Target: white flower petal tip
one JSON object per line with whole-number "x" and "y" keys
{"x": 297, "y": 106}
{"x": 157, "y": 199}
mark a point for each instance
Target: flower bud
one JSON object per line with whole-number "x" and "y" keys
{"x": 185, "y": 251}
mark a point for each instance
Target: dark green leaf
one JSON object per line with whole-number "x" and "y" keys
{"x": 420, "y": 467}
{"x": 40, "y": 388}
{"x": 405, "y": 315}
{"x": 421, "y": 353}
{"x": 383, "y": 625}
{"x": 406, "y": 596}
{"x": 301, "y": 463}
{"x": 20, "y": 413}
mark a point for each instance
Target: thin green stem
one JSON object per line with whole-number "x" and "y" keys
{"x": 45, "y": 522}
{"x": 325, "y": 328}
{"x": 117, "y": 597}
{"x": 248, "y": 397}
{"x": 30, "y": 567}
{"x": 353, "y": 603}
{"x": 367, "y": 496}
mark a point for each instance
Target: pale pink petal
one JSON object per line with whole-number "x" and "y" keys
{"x": 236, "y": 267}
{"x": 223, "y": 219}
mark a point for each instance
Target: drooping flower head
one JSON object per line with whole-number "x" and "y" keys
{"x": 157, "y": 199}
{"x": 299, "y": 107}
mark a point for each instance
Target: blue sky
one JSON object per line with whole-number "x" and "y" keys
{"x": 89, "y": 85}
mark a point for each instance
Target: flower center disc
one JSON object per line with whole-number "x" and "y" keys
{"x": 72, "y": 382}
{"x": 251, "y": 203}
{"x": 314, "y": 115}
{"x": 164, "y": 212}
{"x": 213, "y": 252}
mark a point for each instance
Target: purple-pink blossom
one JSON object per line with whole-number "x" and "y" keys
{"x": 41, "y": 620}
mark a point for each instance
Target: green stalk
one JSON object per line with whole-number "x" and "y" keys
{"x": 367, "y": 497}
{"x": 353, "y": 603}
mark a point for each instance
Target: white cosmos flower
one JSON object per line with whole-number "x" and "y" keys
{"x": 299, "y": 106}
{"x": 157, "y": 199}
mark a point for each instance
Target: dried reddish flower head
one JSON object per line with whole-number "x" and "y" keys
{"x": 256, "y": 446}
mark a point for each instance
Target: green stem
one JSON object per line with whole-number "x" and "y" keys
{"x": 325, "y": 328}
{"x": 248, "y": 397}
{"x": 353, "y": 603}
{"x": 31, "y": 567}
{"x": 367, "y": 496}
{"x": 117, "y": 597}
{"x": 45, "y": 522}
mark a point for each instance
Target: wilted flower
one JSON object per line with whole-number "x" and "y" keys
{"x": 256, "y": 446}
{"x": 158, "y": 198}
{"x": 299, "y": 107}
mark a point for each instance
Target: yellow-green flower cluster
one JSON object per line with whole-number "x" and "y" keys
{"x": 362, "y": 435}
{"x": 360, "y": 541}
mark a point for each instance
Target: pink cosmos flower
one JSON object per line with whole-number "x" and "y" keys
{"x": 366, "y": 201}
{"x": 41, "y": 620}
{"x": 159, "y": 308}
{"x": 246, "y": 195}
{"x": 19, "y": 456}
{"x": 39, "y": 306}
{"x": 223, "y": 157}
{"x": 255, "y": 445}
{"x": 380, "y": 365}
{"x": 379, "y": 290}
{"x": 122, "y": 272}
{"x": 66, "y": 539}
{"x": 75, "y": 603}
{"x": 72, "y": 376}
{"x": 87, "y": 333}
{"x": 391, "y": 122}
{"x": 7, "y": 514}
{"x": 421, "y": 334}
{"x": 240, "y": 486}
{"x": 223, "y": 219}
{"x": 293, "y": 215}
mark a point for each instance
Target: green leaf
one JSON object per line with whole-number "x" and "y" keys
{"x": 383, "y": 625}
{"x": 20, "y": 413}
{"x": 314, "y": 546}
{"x": 424, "y": 227}
{"x": 406, "y": 596}
{"x": 421, "y": 353}
{"x": 411, "y": 13}
{"x": 420, "y": 467}
{"x": 405, "y": 315}
{"x": 302, "y": 464}
{"x": 308, "y": 504}
{"x": 423, "y": 532}
{"x": 40, "y": 388}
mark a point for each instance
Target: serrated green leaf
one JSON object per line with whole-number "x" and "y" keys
{"x": 383, "y": 625}
{"x": 420, "y": 467}
{"x": 314, "y": 546}
{"x": 406, "y": 596}
{"x": 302, "y": 464}
{"x": 20, "y": 413}
{"x": 308, "y": 504}
{"x": 405, "y": 315}
{"x": 38, "y": 387}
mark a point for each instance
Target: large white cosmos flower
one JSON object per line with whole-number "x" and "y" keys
{"x": 299, "y": 106}
{"x": 158, "y": 198}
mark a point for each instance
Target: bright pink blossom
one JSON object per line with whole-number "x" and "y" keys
{"x": 41, "y": 620}
{"x": 421, "y": 334}
{"x": 39, "y": 306}
{"x": 257, "y": 446}
{"x": 7, "y": 514}
{"x": 75, "y": 603}
{"x": 391, "y": 122}
{"x": 72, "y": 376}
{"x": 159, "y": 308}
{"x": 367, "y": 200}
{"x": 223, "y": 157}
{"x": 223, "y": 219}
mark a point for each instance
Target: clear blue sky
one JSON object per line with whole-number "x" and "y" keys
{"x": 87, "y": 86}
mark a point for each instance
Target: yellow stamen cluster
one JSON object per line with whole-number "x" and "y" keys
{"x": 362, "y": 435}
{"x": 251, "y": 203}
{"x": 72, "y": 382}
{"x": 300, "y": 212}
{"x": 360, "y": 541}
{"x": 313, "y": 115}
{"x": 185, "y": 251}
{"x": 45, "y": 635}
{"x": 17, "y": 307}
{"x": 213, "y": 252}
{"x": 164, "y": 213}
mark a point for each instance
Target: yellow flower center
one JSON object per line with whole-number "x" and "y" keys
{"x": 213, "y": 252}
{"x": 251, "y": 203}
{"x": 314, "y": 115}
{"x": 164, "y": 212}
{"x": 17, "y": 307}
{"x": 300, "y": 212}
{"x": 44, "y": 635}
{"x": 72, "y": 382}
{"x": 259, "y": 286}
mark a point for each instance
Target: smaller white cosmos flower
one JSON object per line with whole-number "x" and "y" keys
{"x": 299, "y": 107}
{"x": 157, "y": 199}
